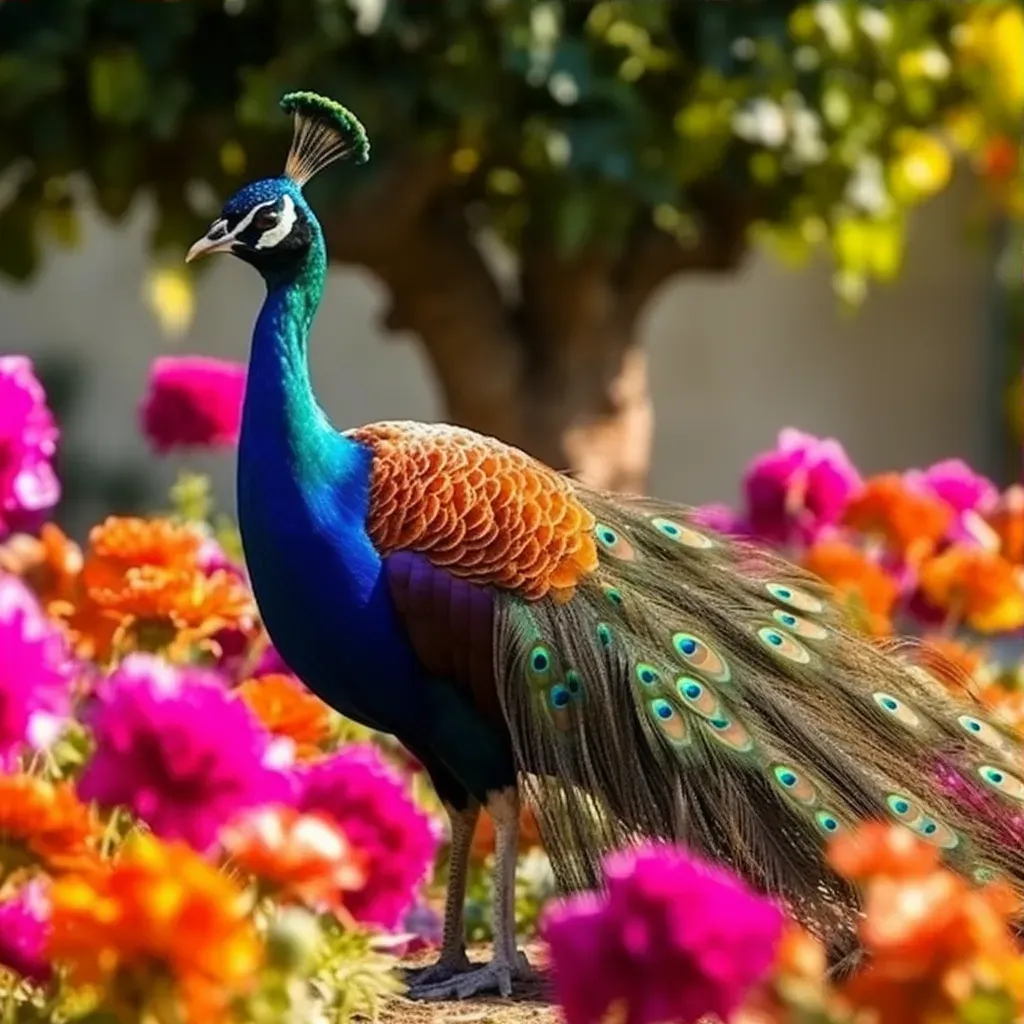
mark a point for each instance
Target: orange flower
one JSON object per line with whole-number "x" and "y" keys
{"x": 878, "y": 848}
{"x": 144, "y": 574}
{"x": 932, "y": 943}
{"x": 159, "y": 923}
{"x": 931, "y": 939}
{"x": 953, "y": 659}
{"x": 483, "y": 837}
{"x": 49, "y": 564}
{"x": 289, "y": 710}
{"x": 980, "y": 586}
{"x": 302, "y": 857}
{"x": 1008, "y": 704}
{"x": 797, "y": 987}
{"x": 1007, "y": 519}
{"x": 869, "y": 591}
{"x": 911, "y": 523}
{"x": 45, "y": 824}
{"x": 52, "y": 566}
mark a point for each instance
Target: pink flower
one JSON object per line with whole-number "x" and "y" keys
{"x": 424, "y": 927}
{"x": 193, "y": 402}
{"x": 369, "y": 801}
{"x": 36, "y": 672}
{"x": 179, "y": 751}
{"x": 28, "y": 442}
{"x": 24, "y": 933}
{"x": 970, "y": 495}
{"x": 271, "y": 663}
{"x": 802, "y": 486}
{"x": 955, "y": 483}
{"x": 212, "y": 558}
{"x": 671, "y": 938}
{"x": 721, "y": 519}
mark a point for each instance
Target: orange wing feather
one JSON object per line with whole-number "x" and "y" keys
{"x": 484, "y": 511}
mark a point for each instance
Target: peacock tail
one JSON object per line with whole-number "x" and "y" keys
{"x": 663, "y": 682}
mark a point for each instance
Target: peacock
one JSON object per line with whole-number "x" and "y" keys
{"x": 633, "y": 675}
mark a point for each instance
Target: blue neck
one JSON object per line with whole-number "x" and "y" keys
{"x": 283, "y": 425}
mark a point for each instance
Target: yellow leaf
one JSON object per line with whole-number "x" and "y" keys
{"x": 232, "y": 158}
{"x": 171, "y": 297}
{"x": 465, "y": 161}
{"x": 923, "y": 166}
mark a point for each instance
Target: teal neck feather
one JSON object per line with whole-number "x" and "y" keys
{"x": 282, "y": 419}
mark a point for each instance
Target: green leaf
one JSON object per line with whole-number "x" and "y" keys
{"x": 118, "y": 87}
{"x": 574, "y": 222}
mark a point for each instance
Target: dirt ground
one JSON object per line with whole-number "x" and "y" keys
{"x": 530, "y": 1004}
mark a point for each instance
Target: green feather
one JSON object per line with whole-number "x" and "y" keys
{"x": 730, "y": 707}
{"x": 324, "y": 131}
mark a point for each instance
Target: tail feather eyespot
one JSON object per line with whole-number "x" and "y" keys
{"x": 782, "y": 644}
{"x": 701, "y": 656}
{"x": 681, "y": 534}
{"x": 795, "y": 598}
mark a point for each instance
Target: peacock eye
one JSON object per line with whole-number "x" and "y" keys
{"x": 265, "y": 219}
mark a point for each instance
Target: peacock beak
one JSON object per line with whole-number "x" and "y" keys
{"x": 217, "y": 239}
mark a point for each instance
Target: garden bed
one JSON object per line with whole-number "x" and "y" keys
{"x": 531, "y": 1004}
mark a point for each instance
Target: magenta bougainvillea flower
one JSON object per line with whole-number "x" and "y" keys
{"x": 371, "y": 803}
{"x": 193, "y": 402}
{"x": 671, "y": 938}
{"x": 36, "y": 672}
{"x": 955, "y": 483}
{"x": 24, "y": 932}
{"x": 721, "y": 519}
{"x": 179, "y": 751}
{"x": 799, "y": 488}
{"x": 28, "y": 443}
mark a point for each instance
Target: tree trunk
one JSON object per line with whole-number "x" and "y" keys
{"x": 557, "y": 369}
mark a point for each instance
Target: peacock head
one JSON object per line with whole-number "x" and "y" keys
{"x": 268, "y": 223}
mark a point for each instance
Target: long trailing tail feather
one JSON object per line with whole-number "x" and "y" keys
{"x": 701, "y": 690}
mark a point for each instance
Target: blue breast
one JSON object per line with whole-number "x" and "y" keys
{"x": 321, "y": 587}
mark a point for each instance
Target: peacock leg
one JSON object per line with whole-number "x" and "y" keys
{"x": 453, "y": 959}
{"x": 508, "y": 963}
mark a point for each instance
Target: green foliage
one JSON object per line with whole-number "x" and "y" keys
{"x": 569, "y": 122}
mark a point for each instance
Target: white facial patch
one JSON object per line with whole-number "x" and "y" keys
{"x": 282, "y": 229}
{"x": 247, "y": 219}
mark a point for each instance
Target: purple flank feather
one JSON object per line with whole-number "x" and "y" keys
{"x": 450, "y": 624}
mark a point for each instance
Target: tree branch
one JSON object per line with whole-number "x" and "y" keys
{"x": 382, "y": 213}
{"x": 442, "y": 289}
{"x": 653, "y": 256}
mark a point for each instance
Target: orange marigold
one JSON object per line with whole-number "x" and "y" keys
{"x": 1008, "y": 705}
{"x": 931, "y": 938}
{"x": 301, "y": 857}
{"x": 159, "y": 923}
{"x": 881, "y": 849}
{"x": 45, "y": 824}
{"x": 869, "y": 591}
{"x": 959, "y": 657}
{"x": 52, "y": 566}
{"x": 932, "y": 943}
{"x": 289, "y": 710}
{"x": 145, "y": 574}
{"x": 978, "y": 586}
{"x": 1007, "y": 519}
{"x": 483, "y": 837}
{"x": 910, "y": 522}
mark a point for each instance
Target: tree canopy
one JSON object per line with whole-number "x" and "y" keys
{"x": 610, "y": 144}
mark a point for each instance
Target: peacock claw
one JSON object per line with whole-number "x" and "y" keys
{"x": 496, "y": 976}
{"x": 443, "y": 970}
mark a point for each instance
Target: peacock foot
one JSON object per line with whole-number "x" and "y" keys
{"x": 446, "y": 967}
{"x": 495, "y": 977}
